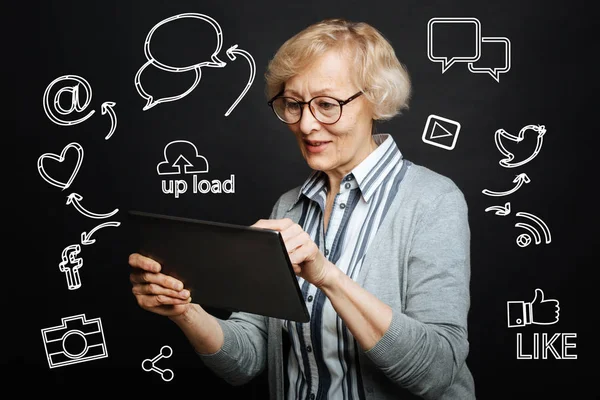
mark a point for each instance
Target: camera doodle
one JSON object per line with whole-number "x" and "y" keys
{"x": 76, "y": 340}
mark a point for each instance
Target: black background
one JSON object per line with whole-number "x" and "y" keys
{"x": 103, "y": 42}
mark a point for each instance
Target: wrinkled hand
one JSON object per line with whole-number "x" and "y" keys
{"x": 307, "y": 260}
{"x": 154, "y": 291}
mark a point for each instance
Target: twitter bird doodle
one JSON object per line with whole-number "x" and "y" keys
{"x": 502, "y": 134}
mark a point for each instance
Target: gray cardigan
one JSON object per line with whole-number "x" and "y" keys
{"x": 418, "y": 264}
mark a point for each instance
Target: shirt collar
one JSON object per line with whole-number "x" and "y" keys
{"x": 369, "y": 174}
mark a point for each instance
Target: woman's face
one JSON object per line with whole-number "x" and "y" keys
{"x": 335, "y": 149}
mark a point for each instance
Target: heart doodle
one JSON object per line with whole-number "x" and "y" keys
{"x": 61, "y": 158}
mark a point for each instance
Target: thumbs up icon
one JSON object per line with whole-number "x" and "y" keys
{"x": 539, "y": 311}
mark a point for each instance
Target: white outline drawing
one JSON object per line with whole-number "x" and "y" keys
{"x": 165, "y": 374}
{"x": 75, "y": 198}
{"x": 107, "y": 107}
{"x": 520, "y": 179}
{"x": 70, "y": 265}
{"x": 215, "y": 61}
{"x": 500, "y": 210}
{"x": 61, "y": 158}
{"x": 231, "y": 52}
{"x": 501, "y": 133}
{"x": 524, "y": 239}
{"x": 86, "y": 236}
{"x": 52, "y": 335}
{"x": 188, "y": 165}
{"x": 446, "y": 134}
{"x": 447, "y": 63}
{"x": 75, "y": 106}
{"x": 525, "y": 311}
{"x": 494, "y": 72}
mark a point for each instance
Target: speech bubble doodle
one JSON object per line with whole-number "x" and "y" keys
{"x": 75, "y": 105}
{"x": 60, "y": 158}
{"x": 494, "y": 72}
{"x": 448, "y": 61}
{"x": 214, "y": 61}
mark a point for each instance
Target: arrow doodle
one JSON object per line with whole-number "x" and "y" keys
{"x": 520, "y": 179}
{"x": 75, "y": 198}
{"x": 107, "y": 107}
{"x": 500, "y": 210}
{"x": 86, "y": 237}
{"x": 231, "y": 52}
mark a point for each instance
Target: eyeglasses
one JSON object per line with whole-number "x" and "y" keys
{"x": 327, "y": 110}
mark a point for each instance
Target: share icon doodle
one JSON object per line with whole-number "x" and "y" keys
{"x": 148, "y": 364}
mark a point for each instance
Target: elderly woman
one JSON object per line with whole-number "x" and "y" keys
{"x": 380, "y": 245}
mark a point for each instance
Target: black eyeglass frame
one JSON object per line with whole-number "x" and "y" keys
{"x": 342, "y": 103}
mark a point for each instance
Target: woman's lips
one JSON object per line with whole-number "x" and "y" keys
{"x": 315, "y": 146}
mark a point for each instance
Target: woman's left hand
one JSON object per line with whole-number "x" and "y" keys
{"x": 308, "y": 261}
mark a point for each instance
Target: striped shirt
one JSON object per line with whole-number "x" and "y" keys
{"x": 323, "y": 361}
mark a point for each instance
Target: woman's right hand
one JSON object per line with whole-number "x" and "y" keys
{"x": 156, "y": 292}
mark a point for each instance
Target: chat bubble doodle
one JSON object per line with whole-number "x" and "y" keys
{"x": 501, "y": 135}
{"x": 76, "y": 91}
{"x": 61, "y": 158}
{"x": 213, "y": 62}
{"x": 75, "y": 340}
{"x": 441, "y": 132}
{"x": 496, "y": 71}
{"x": 447, "y": 60}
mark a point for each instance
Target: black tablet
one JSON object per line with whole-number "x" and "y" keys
{"x": 225, "y": 266}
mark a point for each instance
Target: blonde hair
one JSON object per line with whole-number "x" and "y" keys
{"x": 377, "y": 72}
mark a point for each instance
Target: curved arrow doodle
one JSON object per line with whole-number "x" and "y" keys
{"x": 75, "y": 198}
{"x": 107, "y": 107}
{"x": 86, "y": 237}
{"x": 501, "y": 133}
{"x": 519, "y": 180}
{"x": 231, "y": 52}
{"x": 500, "y": 210}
